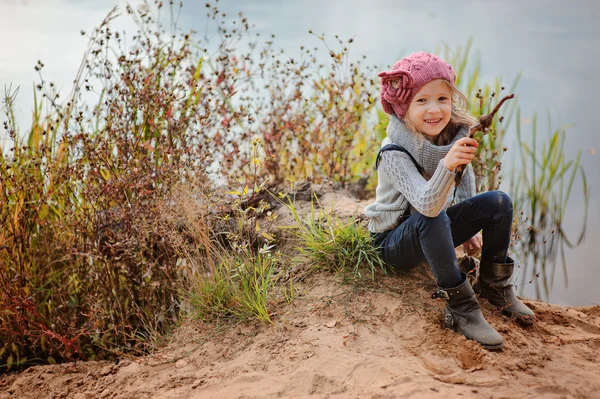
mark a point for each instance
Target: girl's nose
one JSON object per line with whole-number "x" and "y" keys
{"x": 433, "y": 109}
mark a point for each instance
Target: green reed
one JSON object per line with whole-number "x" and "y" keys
{"x": 541, "y": 186}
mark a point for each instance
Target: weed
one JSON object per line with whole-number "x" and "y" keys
{"x": 541, "y": 188}
{"x": 243, "y": 289}
{"x": 336, "y": 245}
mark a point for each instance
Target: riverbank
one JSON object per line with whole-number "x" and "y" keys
{"x": 381, "y": 339}
{"x": 347, "y": 342}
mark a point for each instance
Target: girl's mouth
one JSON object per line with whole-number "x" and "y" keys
{"x": 433, "y": 121}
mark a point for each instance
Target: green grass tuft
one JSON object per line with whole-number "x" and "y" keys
{"x": 338, "y": 245}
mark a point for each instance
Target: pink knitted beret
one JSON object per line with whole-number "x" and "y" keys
{"x": 400, "y": 85}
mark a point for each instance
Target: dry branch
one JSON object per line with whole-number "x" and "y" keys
{"x": 483, "y": 124}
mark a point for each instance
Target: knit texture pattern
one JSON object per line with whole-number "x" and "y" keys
{"x": 400, "y": 85}
{"x": 400, "y": 185}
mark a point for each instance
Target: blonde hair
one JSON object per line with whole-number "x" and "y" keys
{"x": 459, "y": 116}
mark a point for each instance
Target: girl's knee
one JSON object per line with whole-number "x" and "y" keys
{"x": 500, "y": 204}
{"x": 497, "y": 198}
{"x": 503, "y": 200}
{"x": 440, "y": 220}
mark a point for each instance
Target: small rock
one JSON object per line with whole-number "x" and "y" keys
{"x": 180, "y": 363}
{"x": 300, "y": 324}
{"x": 104, "y": 393}
{"x": 573, "y": 312}
{"x": 106, "y": 371}
{"x": 331, "y": 323}
{"x": 131, "y": 368}
{"x": 154, "y": 362}
{"x": 522, "y": 366}
{"x": 197, "y": 383}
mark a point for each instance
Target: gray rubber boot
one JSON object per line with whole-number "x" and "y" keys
{"x": 492, "y": 284}
{"x": 463, "y": 315}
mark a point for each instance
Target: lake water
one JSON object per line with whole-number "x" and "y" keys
{"x": 556, "y": 45}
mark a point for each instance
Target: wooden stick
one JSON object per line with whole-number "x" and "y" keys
{"x": 483, "y": 124}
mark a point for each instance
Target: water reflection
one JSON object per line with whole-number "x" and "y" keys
{"x": 541, "y": 187}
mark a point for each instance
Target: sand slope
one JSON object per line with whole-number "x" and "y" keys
{"x": 381, "y": 340}
{"x": 346, "y": 342}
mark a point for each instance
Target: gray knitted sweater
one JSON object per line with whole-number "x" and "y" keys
{"x": 400, "y": 185}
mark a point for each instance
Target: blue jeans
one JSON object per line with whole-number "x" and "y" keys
{"x": 433, "y": 239}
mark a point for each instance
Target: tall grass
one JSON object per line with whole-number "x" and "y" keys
{"x": 39, "y": 299}
{"x": 314, "y": 119}
{"x": 88, "y": 268}
{"x": 243, "y": 289}
{"x": 541, "y": 184}
{"x": 336, "y": 245}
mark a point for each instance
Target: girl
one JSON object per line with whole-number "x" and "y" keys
{"x": 412, "y": 218}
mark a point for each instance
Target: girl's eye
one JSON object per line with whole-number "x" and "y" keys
{"x": 443, "y": 98}
{"x": 421, "y": 100}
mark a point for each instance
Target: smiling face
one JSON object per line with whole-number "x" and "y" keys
{"x": 430, "y": 110}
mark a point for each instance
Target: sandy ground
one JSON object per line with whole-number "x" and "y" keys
{"x": 379, "y": 341}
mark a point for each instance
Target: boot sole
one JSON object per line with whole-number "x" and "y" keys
{"x": 491, "y": 347}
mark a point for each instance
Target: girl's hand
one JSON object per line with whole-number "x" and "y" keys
{"x": 461, "y": 153}
{"x": 473, "y": 245}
